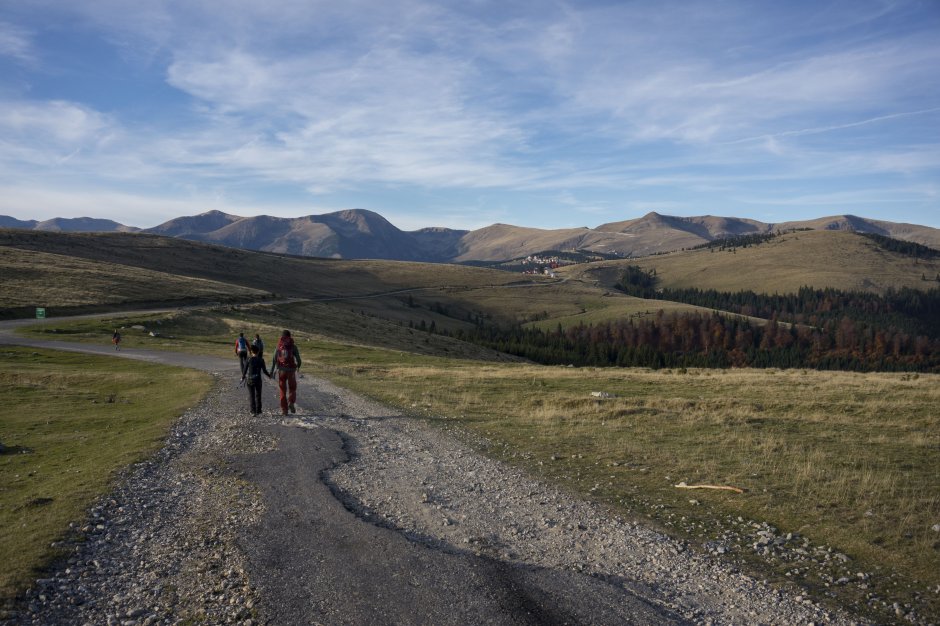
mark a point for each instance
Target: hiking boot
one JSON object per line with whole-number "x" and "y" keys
{"x": 293, "y": 409}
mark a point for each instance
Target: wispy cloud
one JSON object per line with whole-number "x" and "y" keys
{"x": 328, "y": 98}
{"x": 16, "y": 43}
{"x": 48, "y": 133}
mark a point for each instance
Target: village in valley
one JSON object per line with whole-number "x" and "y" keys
{"x": 546, "y": 262}
{"x": 536, "y": 264}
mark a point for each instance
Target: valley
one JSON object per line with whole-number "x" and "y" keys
{"x": 838, "y": 464}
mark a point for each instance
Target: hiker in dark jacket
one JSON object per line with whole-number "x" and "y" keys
{"x": 252, "y": 376}
{"x": 258, "y": 342}
{"x": 286, "y": 362}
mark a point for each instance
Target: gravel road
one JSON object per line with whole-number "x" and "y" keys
{"x": 348, "y": 513}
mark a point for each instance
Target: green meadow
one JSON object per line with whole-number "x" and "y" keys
{"x": 70, "y": 423}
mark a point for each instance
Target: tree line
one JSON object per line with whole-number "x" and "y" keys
{"x": 813, "y": 328}
{"x": 912, "y": 311}
{"x": 737, "y": 241}
{"x": 908, "y": 248}
{"x": 715, "y": 340}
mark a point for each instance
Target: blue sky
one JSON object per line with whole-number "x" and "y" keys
{"x": 472, "y": 112}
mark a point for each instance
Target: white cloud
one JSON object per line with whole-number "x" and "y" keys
{"x": 59, "y": 121}
{"x": 16, "y": 43}
{"x": 870, "y": 197}
{"x": 49, "y": 133}
{"x": 330, "y": 96}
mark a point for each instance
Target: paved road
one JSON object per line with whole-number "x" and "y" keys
{"x": 319, "y": 563}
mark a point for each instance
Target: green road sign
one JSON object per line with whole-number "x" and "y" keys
{"x": 40, "y": 313}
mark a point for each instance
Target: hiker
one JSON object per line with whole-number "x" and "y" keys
{"x": 241, "y": 350}
{"x": 259, "y": 343}
{"x": 252, "y": 376}
{"x": 286, "y": 362}
{"x": 116, "y": 339}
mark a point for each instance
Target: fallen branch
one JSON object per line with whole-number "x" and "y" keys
{"x": 722, "y": 487}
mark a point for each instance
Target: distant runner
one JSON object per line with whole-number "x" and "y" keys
{"x": 116, "y": 339}
{"x": 286, "y": 362}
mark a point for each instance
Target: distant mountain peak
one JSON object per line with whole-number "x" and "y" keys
{"x": 69, "y": 225}
{"x": 365, "y": 234}
{"x": 216, "y": 213}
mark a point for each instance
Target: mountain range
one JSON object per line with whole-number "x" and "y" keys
{"x": 363, "y": 234}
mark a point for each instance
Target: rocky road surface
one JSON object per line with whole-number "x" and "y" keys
{"x": 348, "y": 513}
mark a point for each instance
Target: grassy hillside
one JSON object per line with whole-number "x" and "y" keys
{"x": 212, "y": 331}
{"x": 285, "y": 275}
{"x": 62, "y": 283}
{"x": 819, "y": 259}
{"x": 117, "y": 268}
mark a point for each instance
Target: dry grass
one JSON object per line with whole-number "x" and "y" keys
{"x": 819, "y": 259}
{"x": 32, "y": 278}
{"x": 849, "y": 460}
{"x": 284, "y": 275}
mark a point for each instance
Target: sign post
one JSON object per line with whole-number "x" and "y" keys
{"x": 41, "y": 315}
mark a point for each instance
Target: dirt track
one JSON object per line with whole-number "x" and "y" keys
{"x": 347, "y": 513}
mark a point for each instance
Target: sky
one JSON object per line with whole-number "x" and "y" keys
{"x": 467, "y": 113}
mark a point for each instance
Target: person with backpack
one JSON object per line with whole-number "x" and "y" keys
{"x": 286, "y": 362}
{"x": 259, "y": 343}
{"x": 241, "y": 350}
{"x": 252, "y": 376}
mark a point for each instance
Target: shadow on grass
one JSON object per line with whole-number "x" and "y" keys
{"x": 11, "y": 450}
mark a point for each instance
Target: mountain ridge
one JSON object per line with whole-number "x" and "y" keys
{"x": 360, "y": 233}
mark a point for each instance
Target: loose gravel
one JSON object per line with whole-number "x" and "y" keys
{"x": 163, "y": 548}
{"x": 430, "y": 484}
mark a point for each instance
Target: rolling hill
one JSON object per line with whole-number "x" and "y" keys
{"x": 367, "y": 235}
{"x": 65, "y": 282}
{"x": 451, "y": 296}
{"x": 825, "y": 258}
{"x": 364, "y": 234}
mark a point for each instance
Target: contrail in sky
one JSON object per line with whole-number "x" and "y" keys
{"x": 826, "y": 129}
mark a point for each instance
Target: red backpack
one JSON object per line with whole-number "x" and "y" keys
{"x": 285, "y": 353}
